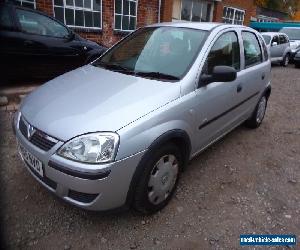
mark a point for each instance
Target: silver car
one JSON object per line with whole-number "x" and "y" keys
{"x": 294, "y": 36}
{"x": 279, "y": 46}
{"x": 117, "y": 133}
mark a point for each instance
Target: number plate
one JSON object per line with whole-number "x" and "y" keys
{"x": 32, "y": 161}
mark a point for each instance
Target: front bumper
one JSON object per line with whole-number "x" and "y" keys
{"x": 93, "y": 187}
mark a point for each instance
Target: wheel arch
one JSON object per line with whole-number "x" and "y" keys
{"x": 177, "y": 136}
{"x": 267, "y": 91}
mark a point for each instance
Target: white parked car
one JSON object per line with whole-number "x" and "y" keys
{"x": 279, "y": 47}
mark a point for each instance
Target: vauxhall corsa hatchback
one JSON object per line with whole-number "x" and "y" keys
{"x": 116, "y": 133}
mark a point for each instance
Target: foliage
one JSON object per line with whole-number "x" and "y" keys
{"x": 289, "y": 6}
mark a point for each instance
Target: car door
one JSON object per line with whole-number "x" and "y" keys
{"x": 49, "y": 46}
{"x": 275, "y": 49}
{"x": 216, "y": 101}
{"x": 254, "y": 75}
{"x": 282, "y": 44}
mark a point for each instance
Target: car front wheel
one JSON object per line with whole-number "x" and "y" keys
{"x": 158, "y": 180}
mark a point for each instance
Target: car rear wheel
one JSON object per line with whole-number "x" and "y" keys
{"x": 259, "y": 113}
{"x": 297, "y": 65}
{"x": 286, "y": 60}
{"x": 158, "y": 180}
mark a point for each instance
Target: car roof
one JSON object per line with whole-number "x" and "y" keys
{"x": 294, "y": 28}
{"x": 273, "y": 33}
{"x": 195, "y": 25}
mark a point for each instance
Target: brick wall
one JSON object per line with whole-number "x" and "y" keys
{"x": 247, "y": 5}
{"x": 166, "y": 10}
{"x": 147, "y": 13}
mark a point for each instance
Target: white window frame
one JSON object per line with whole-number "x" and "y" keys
{"x": 30, "y": 2}
{"x": 234, "y": 14}
{"x": 65, "y": 6}
{"x": 191, "y": 13}
{"x": 118, "y": 14}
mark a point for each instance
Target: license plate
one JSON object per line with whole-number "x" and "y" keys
{"x": 32, "y": 161}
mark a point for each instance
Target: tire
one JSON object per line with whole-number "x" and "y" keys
{"x": 285, "y": 61}
{"x": 297, "y": 65}
{"x": 158, "y": 180}
{"x": 259, "y": 113}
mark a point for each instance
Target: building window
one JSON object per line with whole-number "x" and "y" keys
{"x": 125, "y": 15}
{"x": 79, "y": 13}
{"x": 233, "y": 15}
{"x": 192, "y": 10}
{"x": 27, "y": 3}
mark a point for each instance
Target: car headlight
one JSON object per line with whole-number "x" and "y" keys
{"x": 91, "y": 148}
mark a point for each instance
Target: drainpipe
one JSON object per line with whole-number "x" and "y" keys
{"x": 159, "y": 7}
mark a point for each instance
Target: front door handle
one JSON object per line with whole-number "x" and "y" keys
{"x": 239, "y": 88}
{"x": 263, "y": 76}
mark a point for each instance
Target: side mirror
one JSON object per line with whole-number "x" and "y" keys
{"x": 71, "y": 35}
{"x": 219, "y": 74}
{"x": 274, "y": 44}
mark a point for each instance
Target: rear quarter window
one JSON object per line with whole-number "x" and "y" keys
{"x": 252, "y": 50}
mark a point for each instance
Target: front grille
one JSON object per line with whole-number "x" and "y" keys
{"x": 44, "y": 179}
{"x": 39, "y": 138}
{"x": 81, "y": 197}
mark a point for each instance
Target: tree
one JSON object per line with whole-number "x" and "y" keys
{"x": 289, "y": 6}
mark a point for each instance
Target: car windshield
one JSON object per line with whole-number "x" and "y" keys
{"x": 267, "y": 38}
{"x": 293, "y": 34}
{"x": 155, "y": 52}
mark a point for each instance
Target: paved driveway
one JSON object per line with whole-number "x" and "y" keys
{"x": 249, "y": 182}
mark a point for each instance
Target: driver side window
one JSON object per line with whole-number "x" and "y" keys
{"x": 37, "y": 24}
{"x": 225, "y": 52}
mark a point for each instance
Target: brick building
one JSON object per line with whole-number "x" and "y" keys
{"x": 107, "y": 21}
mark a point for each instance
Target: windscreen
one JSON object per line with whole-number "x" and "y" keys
{"x": 267, "y": 38}
{"x": 159, "y": 51}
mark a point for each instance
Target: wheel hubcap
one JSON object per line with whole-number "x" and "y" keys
{"x": 162, "y": 179}
{"x": 261, "y": 110}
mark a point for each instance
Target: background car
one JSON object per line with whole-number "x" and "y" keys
{"x": 294, "y": 36}
{"x": 34, "y": 45}
{"x": 279, "y": 46}
{"x": 297, "y": 59}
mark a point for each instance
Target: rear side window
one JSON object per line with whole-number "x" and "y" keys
{"x": 225, "y": 52}
{"x": 252, "y": 50}
{"x": 5, "y": 18}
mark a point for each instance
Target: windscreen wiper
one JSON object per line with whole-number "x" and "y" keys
{"x": 157, "y": 75}
{"x": 116, "y": 67}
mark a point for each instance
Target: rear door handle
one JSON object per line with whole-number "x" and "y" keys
{"x": 239, "y": 88}
{"x": 263, "y": 76}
